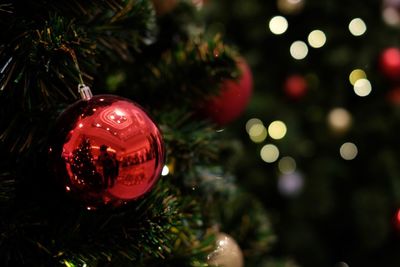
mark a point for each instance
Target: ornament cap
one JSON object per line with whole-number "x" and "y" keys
{"x": 84, "y": 91}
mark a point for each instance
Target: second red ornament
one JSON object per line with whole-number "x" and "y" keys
{"x": 233, "y": 97}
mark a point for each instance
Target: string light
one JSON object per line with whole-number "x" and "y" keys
{"x": 316, "y": 39}
{"x": 278, "y": 25}
{"x": 357, "y": 27}
{"x": 269, "y": 153}
{"x": 277, "y": 130}
{"x": 348, "y": 151}
{"x": 362, "y": 87}
{"x": 298, "y": 50}
{"x": 357, "y": 74}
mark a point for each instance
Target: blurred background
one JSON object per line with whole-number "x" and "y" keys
{"x": 320, "y": 137}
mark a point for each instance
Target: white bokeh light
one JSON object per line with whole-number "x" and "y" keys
{"x": 298, "y": 50}
{"x": 362, "y": 87}
{"x": 278, "y": 25}
{"x": 316, "y": 39}
{"x": 357, "y": 27}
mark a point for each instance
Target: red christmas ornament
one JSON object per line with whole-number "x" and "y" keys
{"x": 233, "y": 97}
{"x": 390, "y": 63}
{"x": 295, "y": 87}
{"x": 106, "y": 150}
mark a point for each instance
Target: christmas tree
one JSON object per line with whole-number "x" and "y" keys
{"x": 80, "y": 179}
{"x": 322, "y": 124}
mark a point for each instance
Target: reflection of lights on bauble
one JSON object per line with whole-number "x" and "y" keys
{"x": 277, "y": 130}
{"x": 348, "y": 151}
{"x": 298, "y": 50}
{"x": 290, "y": 184}
{"x": 316, "y": 39}
{"x": 227, "y": 252}
{"x": 106, "y": 150}
{"x": 357, "y": 27}
{"x": 287, "y": 165}
{"x": 339, "y": 120}
{"x": 290, "y": 7}
{"x": 357, "y": 74}
{"x": 362, "y": 87}
{"x": 389, "y": 63}
{"x": 278, "y": 25}
{"x": 269, "y": 153}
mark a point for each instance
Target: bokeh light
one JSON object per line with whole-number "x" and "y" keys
{"x": 252, "y": 122}
{"x": 287, "y": 165}
{"x": 277, "y": 130}
{"x": 348, "y": 151}
{"x": 258, "y": 133}
{"x": 317, "y": 39}
{"x": 278, "y": 25}
{"x": 269, "y": 153}
{"x": 298, "y": 50}
{"x": 391, "y": 16}
{"x": 339, "y": 119}
{"x": 357, "y": 74}
{"x": 165, "y": 171}
{"x": 357, "y": 27}
{"x": 290, "y": 184}
{"x": 362, "y": 87}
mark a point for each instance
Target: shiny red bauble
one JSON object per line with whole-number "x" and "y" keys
{"x": 295, "y": 87}
{"x": 233, "y": 97}
{"x": 106, "y": 150}
{"x": 390, "y": 63}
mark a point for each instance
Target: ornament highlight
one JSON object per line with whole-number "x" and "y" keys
{"x": 106, "y": 150}
{"x": 290, "y": 7}
{"x": 233, "y": 98}
{"x": 227, "y": 252}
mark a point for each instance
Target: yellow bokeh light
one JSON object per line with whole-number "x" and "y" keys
{"x": 257, "y": 133}
{"x": 269, "y": 153}
{"x": 357, "y": 74}
{"x": 298, "y": 50}
{"x": 362, "y": 87}
{"x": 339, "y": 119}
{"x": 277, "y": 129}
{"x": 252, "y": 122}
{"x": 287, "y": 165}
{"x": 357, "y": 27}
{"x": 278, "y": 25}
{"x": 348, "y": 151}
{"x": 317, "y": 39}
